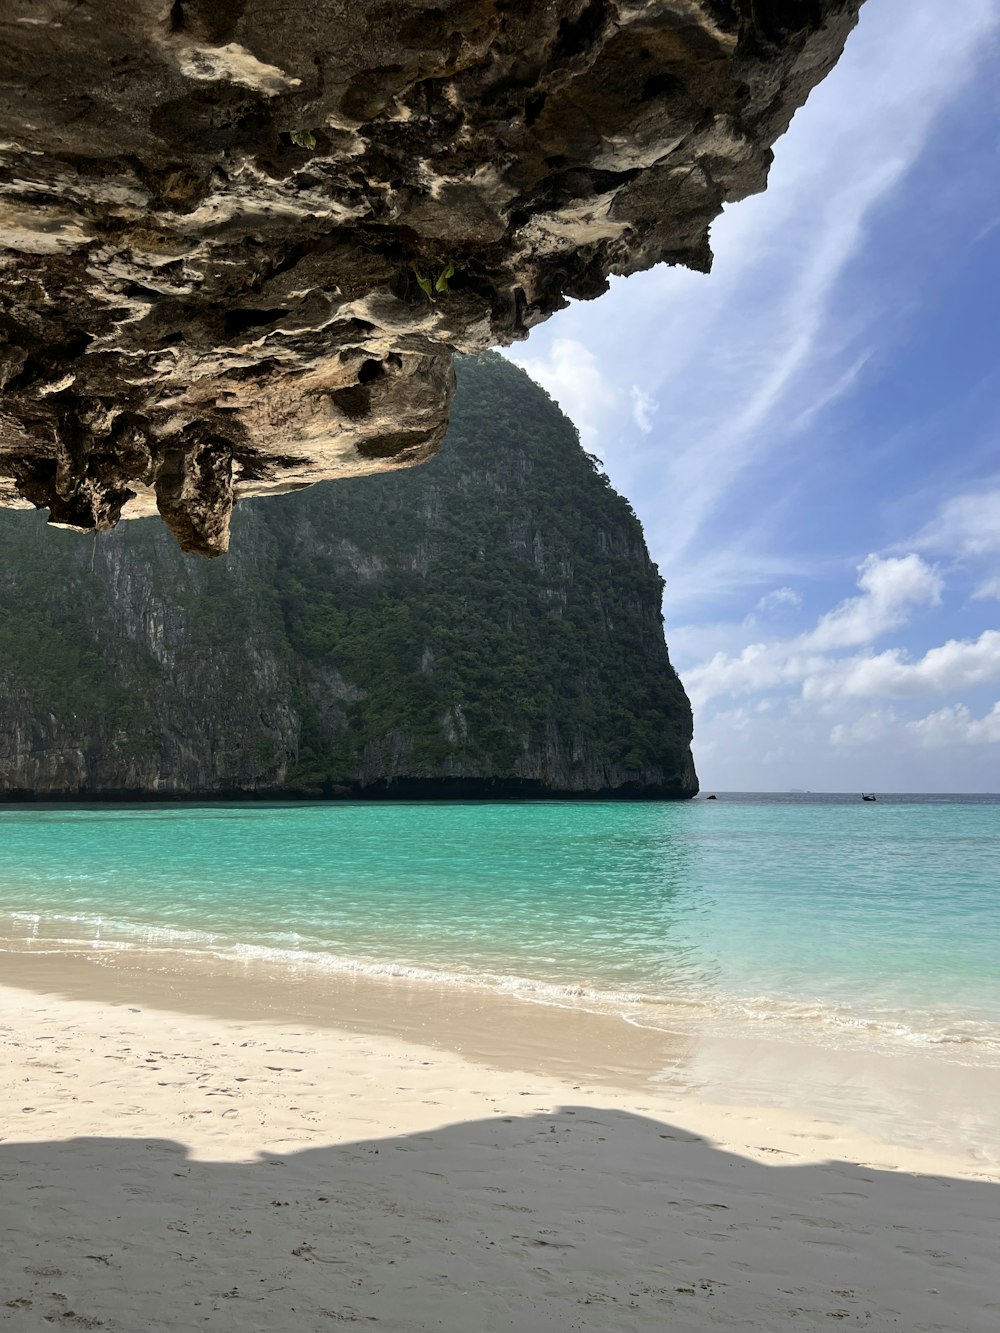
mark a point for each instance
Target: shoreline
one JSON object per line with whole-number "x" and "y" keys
{"x": 902, "y": 1098}
{"x": 165, "y": 1170}
{"x": 957, "y": 1038}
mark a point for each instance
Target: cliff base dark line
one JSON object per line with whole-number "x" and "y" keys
{"x": 460, "y": 790}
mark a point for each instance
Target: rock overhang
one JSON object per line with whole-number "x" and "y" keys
{"x": 239, "y": 245}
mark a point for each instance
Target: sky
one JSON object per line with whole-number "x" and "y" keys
{"x": 811, "y": 433}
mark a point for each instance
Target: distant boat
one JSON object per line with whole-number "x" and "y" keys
{"x": 870, "y": 796}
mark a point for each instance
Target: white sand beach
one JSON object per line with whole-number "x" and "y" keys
{"x": 165, "y": 1170}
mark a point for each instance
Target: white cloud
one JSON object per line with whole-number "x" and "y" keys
{"x": 890, "y": 587}
{"x": 790, "y": 741}
{"x": 959, "y": 664}
{"x": 987, "y": 589}
{"x": 760, "y": 666}
{"x": 868, "y": 749}
{"x": 957, "y": 726}
{"x": 968, "y": 525}
{"x": 644, "y": 406}
{"x": 867, "y": 729}
{"x": 571, "y": 374}
{"x": 777, "y": 598}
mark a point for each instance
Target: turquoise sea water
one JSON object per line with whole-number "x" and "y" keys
{"x": 862, "y": 922}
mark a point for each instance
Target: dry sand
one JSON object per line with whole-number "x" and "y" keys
{"x": 169, "y": 1171}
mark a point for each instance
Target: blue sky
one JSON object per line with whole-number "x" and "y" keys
{"x": 811, "y": 434}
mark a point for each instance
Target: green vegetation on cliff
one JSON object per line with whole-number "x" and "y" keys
{"x": 487, "y": 622}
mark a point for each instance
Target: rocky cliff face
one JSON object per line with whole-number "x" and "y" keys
{"x": 487, "y": 625}
{"x": 240, "y": 241}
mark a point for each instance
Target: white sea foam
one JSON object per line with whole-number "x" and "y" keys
{"x": 323, "y": 961}
{"x": 955, "y": 1037}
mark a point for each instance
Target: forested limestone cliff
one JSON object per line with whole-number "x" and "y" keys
{"x": 488, "y": 624}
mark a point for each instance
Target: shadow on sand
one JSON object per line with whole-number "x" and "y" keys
{"x": 580, "y": 1220}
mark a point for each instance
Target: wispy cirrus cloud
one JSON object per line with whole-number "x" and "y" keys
{"x": 966, "y": 525}
{"x": 644, "y": 407}
{"x": 784, "y": 339}
{"x": 778, "y": 597}
{"x": 966, "y": 530}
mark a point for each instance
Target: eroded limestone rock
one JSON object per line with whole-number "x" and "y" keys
{"x": 239, "y": 240}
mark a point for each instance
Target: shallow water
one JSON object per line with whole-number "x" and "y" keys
{"x": 847, "y": 921}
